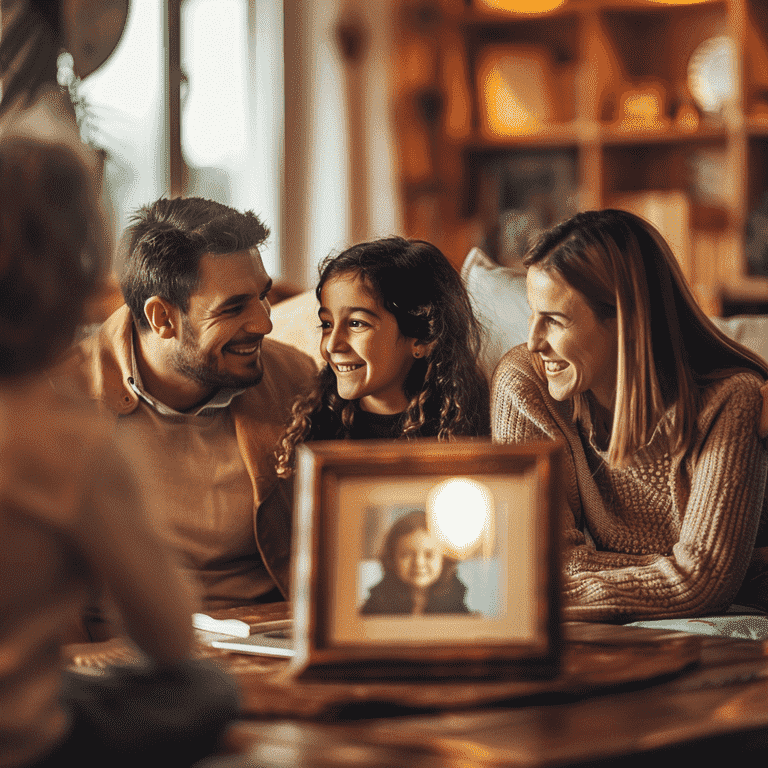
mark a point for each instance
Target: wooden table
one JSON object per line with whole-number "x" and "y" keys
{"x": 712, "y": 708}
{"x": 710, "y": 705}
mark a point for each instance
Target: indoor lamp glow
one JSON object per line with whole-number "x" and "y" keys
{"x": 460, "y": 513}
{"x": 523, "y": 6}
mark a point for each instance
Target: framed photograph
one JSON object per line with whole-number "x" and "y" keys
{"x": 426, "y": 559}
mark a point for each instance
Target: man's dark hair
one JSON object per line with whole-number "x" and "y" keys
{"x": 166, "y": 240}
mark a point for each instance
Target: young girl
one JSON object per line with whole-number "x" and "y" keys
{"x": 418, "y": 577}
{"x": 400, "y": 344}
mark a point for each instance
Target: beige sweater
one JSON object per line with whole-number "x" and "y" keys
{"x": 666, "y": 536}
{"x": 71, "y": 520}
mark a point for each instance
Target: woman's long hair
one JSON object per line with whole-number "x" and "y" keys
{"x": 668, "y": 349}
{"x": 446, "y": 390}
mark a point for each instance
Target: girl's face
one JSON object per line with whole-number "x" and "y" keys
{"x": 418, "y": 558}
{"x": 578, "y": 351}
{"x": 364, "y": 347}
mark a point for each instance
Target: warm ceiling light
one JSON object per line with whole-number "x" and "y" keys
{"x": 523, "y": 6}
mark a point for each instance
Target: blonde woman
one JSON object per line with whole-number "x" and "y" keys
{"x": 666, "y": 471}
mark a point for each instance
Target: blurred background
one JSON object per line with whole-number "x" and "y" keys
{"x": 464, "y": 122}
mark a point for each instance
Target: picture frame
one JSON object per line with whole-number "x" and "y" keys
{"x": 366, "y": 604}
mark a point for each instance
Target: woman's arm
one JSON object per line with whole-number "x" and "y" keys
{"x": 707, "y": 564}
{"x": 727, "y": 488}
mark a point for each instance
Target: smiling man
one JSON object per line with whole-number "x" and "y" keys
{"x": 200, "y": 395}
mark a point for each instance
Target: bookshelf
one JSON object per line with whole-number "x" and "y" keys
{"x": 613, "y": 114}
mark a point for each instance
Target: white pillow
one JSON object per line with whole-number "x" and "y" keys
{"x": 500, "y": 303}
{"x": 749, "y": 330}
{"x": 295, "y": 322}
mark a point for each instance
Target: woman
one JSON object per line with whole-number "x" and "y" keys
{"x": 400, "y": 344}
{"x": 659, "y": 411}
{"x": 418, "y": 577}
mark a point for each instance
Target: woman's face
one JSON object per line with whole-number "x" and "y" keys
{"x": 579, "y": 352}
{"x": 363, "y": 345}
{"x": 418, "y": 558}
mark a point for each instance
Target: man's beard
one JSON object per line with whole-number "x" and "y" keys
{"x": 203, "y": 369}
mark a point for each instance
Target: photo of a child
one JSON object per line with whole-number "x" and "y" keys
{"x": 419, "y": 578}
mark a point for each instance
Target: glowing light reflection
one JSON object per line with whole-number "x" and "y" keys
{"x": 460, "y": 512}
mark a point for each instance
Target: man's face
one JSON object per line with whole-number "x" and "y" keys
{"x": 228, "y": 316}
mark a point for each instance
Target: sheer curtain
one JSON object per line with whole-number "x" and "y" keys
{"x": 265, "y": 120}
{"x": 325, "y": 177}
{"x": 125, "y": 113}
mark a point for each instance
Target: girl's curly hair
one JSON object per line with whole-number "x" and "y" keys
{"x": 447, "y": 392}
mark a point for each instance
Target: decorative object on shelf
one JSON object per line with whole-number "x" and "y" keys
{"x": 687, "y": 117}
{"x": 521, "y": 6}
{"x": 515, "y": 89}
{"x": 713, "y": 74}
{"x": 521, "y": 194}
{"x": 668, "y": 211}
{"x": 642, "y": 108}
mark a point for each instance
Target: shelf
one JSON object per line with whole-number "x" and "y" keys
{"x": 671, "y": 135}
{"x": 576, "y": 88}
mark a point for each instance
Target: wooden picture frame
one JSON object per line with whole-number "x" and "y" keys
{"x": 349, "y": 495}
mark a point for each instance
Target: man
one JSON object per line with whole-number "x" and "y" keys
{"x": 201, "y": 395}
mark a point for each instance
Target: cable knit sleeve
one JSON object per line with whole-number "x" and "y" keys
{"x": 718, "y": 495}
{"x": 672, "y": 536}
{"x": 521, "y": 410}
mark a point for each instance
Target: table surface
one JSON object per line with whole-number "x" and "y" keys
{"x": 697, "y": 697}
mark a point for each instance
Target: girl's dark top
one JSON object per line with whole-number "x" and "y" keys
{"x": 392, "y": 596}
{"x": 327, "y": 425}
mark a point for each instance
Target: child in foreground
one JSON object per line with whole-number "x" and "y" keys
{"x": 400, "y": 344}
{"x": 71, "y": 512}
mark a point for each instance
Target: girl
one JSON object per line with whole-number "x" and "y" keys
{"x": 400, "y": 344}
{"x": 418, "y": 577}
{"x": 659, "y": 411}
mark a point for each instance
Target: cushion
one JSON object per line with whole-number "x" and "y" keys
{"x": 295, "y": 322}
{"x": 499, "y": 300}
{"x": 749, "y": 330}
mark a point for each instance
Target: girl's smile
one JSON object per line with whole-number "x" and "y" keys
{"x": 579, "y": 353}
{"x": 363, "y": 345}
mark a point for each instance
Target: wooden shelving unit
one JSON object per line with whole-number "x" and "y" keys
{"x": 464, "y": 183}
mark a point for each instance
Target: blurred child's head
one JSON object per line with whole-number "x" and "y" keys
{"x": 52, "y": 241}
{"x": 412, "y": 553}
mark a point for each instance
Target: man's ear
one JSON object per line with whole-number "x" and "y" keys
{"x": 162, "y": 317}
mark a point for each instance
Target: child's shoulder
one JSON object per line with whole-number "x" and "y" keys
{"x": 48, "y": 444}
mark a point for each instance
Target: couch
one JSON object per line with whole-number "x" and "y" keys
{"x": 498, "y": 297}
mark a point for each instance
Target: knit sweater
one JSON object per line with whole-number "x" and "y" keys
{"x": 667, "y": 535}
